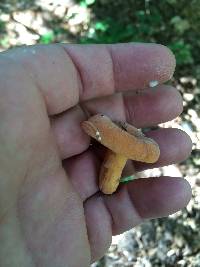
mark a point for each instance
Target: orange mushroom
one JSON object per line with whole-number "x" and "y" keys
{"x": 123, "y": 142}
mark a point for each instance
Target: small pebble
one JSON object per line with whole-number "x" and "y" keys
{"x": 153, "y": 83}
{"x": 188, "y": 96}
{"x": 198, "y": 181}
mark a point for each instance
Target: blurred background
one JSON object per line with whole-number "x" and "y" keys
{"x": 172, "y": 241}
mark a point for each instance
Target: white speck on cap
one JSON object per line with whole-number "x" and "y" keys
{"x": 98, "y": 135}
{"x": 153, "y": 83}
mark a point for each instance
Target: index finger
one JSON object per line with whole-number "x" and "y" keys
{"x": 68, "y": 74}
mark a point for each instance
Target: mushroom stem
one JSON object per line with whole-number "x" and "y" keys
{"x": 111, "y": 171}
{"x": 123, "y": 142}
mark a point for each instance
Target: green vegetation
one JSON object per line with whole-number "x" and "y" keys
{"x": 2, "y": 26}
{"x": 173, "y": 23}
{"x": 47, "y": 38}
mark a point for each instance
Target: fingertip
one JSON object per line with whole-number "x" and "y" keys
{"x": 166, "y": 63}
{"x": 168, "y": 52}
{"x": 175, "y": 145}
{"x": 160, "y": 196}
{"x": 174, "y": 98}
{"x": 186, "y": 191}
{"x": 188, "y": 143}
{"x": 138, "y": 65}
{"x": 179, "y": 192}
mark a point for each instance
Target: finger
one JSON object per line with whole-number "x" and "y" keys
{"x": 66, "y": 74}
{"x": 148, "y": 108}
{"x": 143, "y": 108}
{"x": 175, "y": 146}
{"x": 70, "y": 137}
{"x": 83, "y": 170}
{"x": 130, "y": 205}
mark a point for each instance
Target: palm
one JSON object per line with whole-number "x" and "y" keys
{"x": 62, "y": 219}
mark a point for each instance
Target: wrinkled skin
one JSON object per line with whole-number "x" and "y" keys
{"x": 51, "y": 212}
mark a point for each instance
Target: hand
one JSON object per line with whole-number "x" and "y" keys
{"x": 51, "y": 212}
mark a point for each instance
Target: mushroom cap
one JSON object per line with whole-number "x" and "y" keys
{"x": 122, "y": 138}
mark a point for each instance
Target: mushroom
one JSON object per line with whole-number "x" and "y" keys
{"x": 124, "y": 142}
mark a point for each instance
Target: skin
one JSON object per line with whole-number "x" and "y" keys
{"x": 51, "y": 211}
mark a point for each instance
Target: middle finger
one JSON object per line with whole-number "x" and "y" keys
{"x": 143, "y": 109}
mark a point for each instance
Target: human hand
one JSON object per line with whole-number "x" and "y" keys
{"x": 51, "y": 211}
